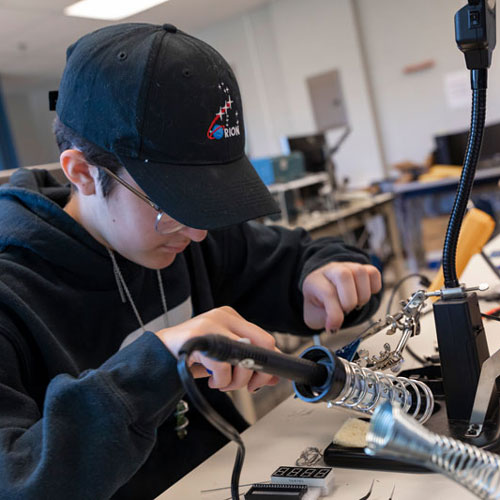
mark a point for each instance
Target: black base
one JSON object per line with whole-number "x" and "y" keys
{"x": 339, "y": 456}
{"x": 489, "y": 439}
{"x": 463, "y": 349}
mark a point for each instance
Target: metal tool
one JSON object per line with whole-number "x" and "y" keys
{"x": 393, "y": 434}
{"x": 392, "y": 492}
{"x": 487, "y": 384}
{"x": 365, "y": 497}
{"x": 365, "y": 389}
{"x": 408, "y": 322}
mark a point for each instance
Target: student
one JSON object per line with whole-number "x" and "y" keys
{"x": 101, "y": 284}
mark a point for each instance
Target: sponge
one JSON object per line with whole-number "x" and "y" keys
{"x": 352, "y": 434}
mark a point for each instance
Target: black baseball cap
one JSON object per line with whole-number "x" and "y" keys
{"x": 168, "y": 106}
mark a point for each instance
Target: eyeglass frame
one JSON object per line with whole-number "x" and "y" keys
{"x": 146, "y": 199}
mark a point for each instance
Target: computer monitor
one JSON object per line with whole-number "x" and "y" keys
{"x": 313, "y": 147}
{"x": 450, "y": 149}
{"x": 490, "y": 150}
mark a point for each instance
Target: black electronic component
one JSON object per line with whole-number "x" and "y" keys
{"x": 317, "y": 477}
{"x": 356, "y": 458}
{"x": 463, "y": 349}
{"x": 266, "y": 491}
{"x": 475, "y": 32}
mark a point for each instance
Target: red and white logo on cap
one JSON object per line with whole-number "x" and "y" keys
{"x": 220, "y": 127}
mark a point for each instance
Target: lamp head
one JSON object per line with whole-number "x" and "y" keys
{"x": 475, "y": 32}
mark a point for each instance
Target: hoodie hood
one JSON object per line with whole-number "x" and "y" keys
{"x": 32, "y": 219}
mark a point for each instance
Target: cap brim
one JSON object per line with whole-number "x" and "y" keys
{"x": 204, "y": 196}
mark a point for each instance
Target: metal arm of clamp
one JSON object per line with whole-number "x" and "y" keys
{"x": 490, "y": 371}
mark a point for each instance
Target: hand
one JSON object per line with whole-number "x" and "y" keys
{"x": 223, "y": 321}
{"x": 336, "y": 289}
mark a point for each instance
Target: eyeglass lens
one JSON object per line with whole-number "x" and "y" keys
{"x": 165, "y": 224}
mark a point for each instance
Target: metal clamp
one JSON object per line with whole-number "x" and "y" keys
{"x": 407, "y": 320}
{"x": 490, "y": 371}
{"x": 457, "y": 292}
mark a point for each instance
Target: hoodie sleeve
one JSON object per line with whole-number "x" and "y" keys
{"x": 94, "y": 431}
{"x": 260, "y": 272}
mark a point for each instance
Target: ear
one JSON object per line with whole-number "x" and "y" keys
{"x": 78, "y": 171}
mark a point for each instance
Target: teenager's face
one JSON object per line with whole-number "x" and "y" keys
{"x": 127, "y": 224}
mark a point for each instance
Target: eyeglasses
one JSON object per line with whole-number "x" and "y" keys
{"x": 164, "y": 224}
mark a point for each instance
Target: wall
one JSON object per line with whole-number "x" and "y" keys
{"x": 31, "y": 121}
{"x": 273, "y": 50}
{"x": 412, "y": 108}
{"x": 248, "y": 44}
{"x": 276, "y": 47}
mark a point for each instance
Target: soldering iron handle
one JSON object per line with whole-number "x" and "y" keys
{"x": 222, "y": 348}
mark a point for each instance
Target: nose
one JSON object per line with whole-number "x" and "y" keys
{"x": 194, "y": 234}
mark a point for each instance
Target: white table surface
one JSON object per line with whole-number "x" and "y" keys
{"x": 280, "y": 436}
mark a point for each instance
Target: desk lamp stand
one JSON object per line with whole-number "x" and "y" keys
{"x": 461, "y": 338}
{"x": 467, "y": 379}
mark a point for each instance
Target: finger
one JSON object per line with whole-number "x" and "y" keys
{"x": 242, "y": 328}
{"x": 375, "y": 279}
{"x": 221, "y": 375}
{"x": 260, "y": 379}
{"x": 240, "y": 378}
{"x": 230, "y": 311}
{"x": 322, "y": 307}
{"x": 343, "y": 280}
{"x": 314, "y": 315}
{"x": 362, "y": 282}
{"x": 199, "y": 371}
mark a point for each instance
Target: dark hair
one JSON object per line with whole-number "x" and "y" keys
{"x": 67, "y": 139}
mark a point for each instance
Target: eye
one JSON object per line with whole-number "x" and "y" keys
{"x": 121, "y": 56}
{"x": 187, "y": 72}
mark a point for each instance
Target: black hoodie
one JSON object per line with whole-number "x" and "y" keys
{"x": 87, "y": 398}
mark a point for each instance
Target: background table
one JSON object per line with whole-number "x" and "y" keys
{"x": 414, "y": 199}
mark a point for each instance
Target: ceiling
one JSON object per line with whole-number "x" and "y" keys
{"x": 34, "y": 34}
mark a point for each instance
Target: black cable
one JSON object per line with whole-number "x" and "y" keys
{"x": 416, "y": 357}
{"x": 214, "y": 418}
{"x": 424, "y": 281}
{"x": 479, "y": 84}
{"x": 490, "y": 316}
